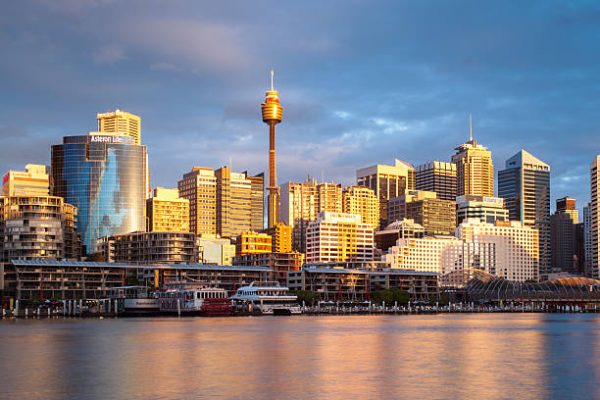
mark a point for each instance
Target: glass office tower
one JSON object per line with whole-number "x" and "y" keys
{"x": 104, "y": 176}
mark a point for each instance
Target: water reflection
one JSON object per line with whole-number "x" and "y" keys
{"x": 528, "y": 356}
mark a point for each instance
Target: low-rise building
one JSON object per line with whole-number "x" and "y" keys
{"x": 150, "y": 247}
{"x": 280, "y": 263}
{"x": 251, "y": 242}
{"x": 215, "y": 250}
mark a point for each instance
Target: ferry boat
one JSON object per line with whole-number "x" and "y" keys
{"x": 191, "y": 300}
{"x": 134, "y": 300}
{"x": 266, "y": 298}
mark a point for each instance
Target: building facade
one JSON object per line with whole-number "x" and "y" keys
{"x": 563, "y": 226}
{"x": 387, "y": 181}
{"x": 363, "y": 201}
{"x": 150, "y": 248}
{"x": 282, "y": 237}
{"x": 168, "y": 212}
{"x": 594, "y": 218}
{"x": 339, "y": 237}
{"x": 437, "y": 216}
{"x": 123, "y": 122}
{"x": 251, "y": 242}
{"x": 438, "y": 177}
{"x": 38, "y": 227}
{"x": 215, "y": 250}
{"x": 525, "y": 187}
{"x": 34, "y": 181}
{"x": 485, "y": 209}
{"x": 199, "y": 187}
{"x": 474, "y": 170}
{"x": 257, "y": 194}
{"x": 104, "y": 176}
{"x": 280, "y": 263}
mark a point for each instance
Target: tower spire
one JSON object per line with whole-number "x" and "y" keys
{"x": 272, "y": 80}
{"x": 470, "y": 128}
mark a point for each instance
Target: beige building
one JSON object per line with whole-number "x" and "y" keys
{"x": 516, "y": 247}
{"x": 363, "y": 201}
{"x": 594, "y": 231}
{"x": 474, "y": 170}
{"x": 486, "y": 209}
{"x": 439, "y": 254}
{"x": 234, "y": 202}
{"x": 33, "y": 181}
{"x": 38, "y": 227}
{"x": 329, "y": 197}
{"x": 257, "y": 214}
{"x": 215, "y": 250}
{"x": 437, "y": 216}
{"x": 339, "y": 237}
{"x": 119, "y": 121}
{"x": 387, "y": 181}
{"x": 168, "y": 212}
{"x": 200, "y": 187}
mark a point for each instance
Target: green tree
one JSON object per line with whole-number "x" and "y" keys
{"x": 309, "y": 298}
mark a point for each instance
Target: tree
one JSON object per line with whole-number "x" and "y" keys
{"x": 391, "y": 296}
{"x": 306, "y": 296}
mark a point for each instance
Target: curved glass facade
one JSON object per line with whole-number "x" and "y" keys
{"x": 104, "y": 176}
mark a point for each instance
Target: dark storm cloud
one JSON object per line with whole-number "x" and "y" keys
{"x": 361, "y": 82}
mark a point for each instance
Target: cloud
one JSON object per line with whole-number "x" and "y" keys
{"x": 109, "y": 55}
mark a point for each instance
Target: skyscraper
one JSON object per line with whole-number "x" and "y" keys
{"x": 587, "y": 240}
{"x": 199, "y": 186}
{"x": 31, "y": 182}
{"x": 387, "y": 181}
{"x": 104, "y": 176}
{"x": 119, "y": 121}
{"x": 474, "y": 169}
{"x": 257, "y": 214}
{"x": 363, "y": 201}
{"x": 525, "y": 187}
{"x": 438, "y": 177}
{"x": 272, "y": 113}
{"x": 594, "y": 218}
{"x": 234, "y": 202}
{"x": 563, "y": 235}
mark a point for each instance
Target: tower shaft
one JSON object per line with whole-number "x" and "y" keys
{"x": 273, "y": 199}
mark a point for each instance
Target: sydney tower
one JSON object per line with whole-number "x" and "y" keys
{"x": 272, "y": 113}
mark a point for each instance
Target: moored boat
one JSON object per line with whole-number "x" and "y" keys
{"x": 134, "y": 301}
{"x": 267, "y": 298}
{"x": 190, "y": 300}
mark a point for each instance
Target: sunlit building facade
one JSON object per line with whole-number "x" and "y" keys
{"x": 215, "y": 250}
{"x": 199, "y": 187}
{"x": 168, "y": 212}
{"x": 34, "y": 181}
{"x": 150, "y": 248}
{"x": 485, "y": 209}
{"x": 474, "y": 170}
{"x": 594, "y": 218}
{"x": 363, "y": 201}
{"x": 282, "y": 237}
{"x": 104, "y": 176}
{"x": 251, "y": 242}
{"x": 437, "y": 216}
{"x": 122, "y": 122}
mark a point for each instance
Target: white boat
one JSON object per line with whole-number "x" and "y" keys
{"x": 134, "y": 300}
{"x": 267, "y": 298}
{"x": 194, "y": 301}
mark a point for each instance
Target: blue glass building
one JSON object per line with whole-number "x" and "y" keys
{"x": 104, "y": 176}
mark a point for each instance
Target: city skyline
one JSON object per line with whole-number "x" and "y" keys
{"x": 406, "y": 94}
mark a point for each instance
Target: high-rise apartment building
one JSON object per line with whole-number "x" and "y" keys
{"x": 525, "y": 186}
{"x": 587, "y": 240}
{"x": 474, "y": 169}
{"x": 123, "y": 122}
{"x": 595, "y": 218}
{"x": 34, "y": 181}
{"x": 257, "y": 208}
{"x": 485, "y": 209}
{"x": 234, "y": 202}
{"x": 167, "y": 212}
{"x": 563, "y": 225}
{"x": 329, "y": 197}
{"x": 387, "y": 181}
{"x": 438, "y": 177}
{"x": 199, "y": 186}
{"x": 363, "y": 201}
{"x": 282, "y": 237}
{"x": 437, "y": 216}
{"x": 339, "y": 237}
{"x": 38, "y": 227}
{"x": 104, "y": 176}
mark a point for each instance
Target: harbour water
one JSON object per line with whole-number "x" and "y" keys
{"x": 477, "y": 356}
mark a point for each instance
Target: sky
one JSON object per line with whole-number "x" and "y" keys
{"x": 361, "y": 82}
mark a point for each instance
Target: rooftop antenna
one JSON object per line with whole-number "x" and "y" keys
{"x": 272, "y": 80}
{"x": 470, "y": 128}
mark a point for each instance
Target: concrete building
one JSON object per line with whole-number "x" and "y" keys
{"x": 282, "y": 237}
{"x": 486, "y": 209}
{"x": 387, "y": 181}
{"x": 215, "y": 250}
{"x": 404, "y": 229}
{"x": 167, "y": 212}
{"x": 150, "y": 248}
{"x": 61, "y": 280}
{"x": 329, "y": 197}
{"x": 280, "y": 263}
{"x": 38, "y": 227}
{"x": 595, "y": 218}
{"x": 437, "y": 216}
{"x": 257, "y": 194}
{"x": 234, "y": 201}
{"x": 34, "y": 181}
{"x": 525, "y": 186}
{"x": 516, "y": 247}
{"x": 563, "y": 225}
{"x": 437, "y": 254}
{"x": 199, "y": 187}
{"x": 474, "y": 169}
{"x": 105, "y": 176}
{"x": 339, "y": 237}
{"x": 251, "y": 242}
{"x": 119, "y": 121}
{"x": 438, "y": 177}
{"x": 363, "y": 201}
{"x": 587, "y": 240}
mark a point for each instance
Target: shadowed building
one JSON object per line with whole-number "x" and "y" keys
{"x": 563, "y": 225}
{"x": 438, "y": 177}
